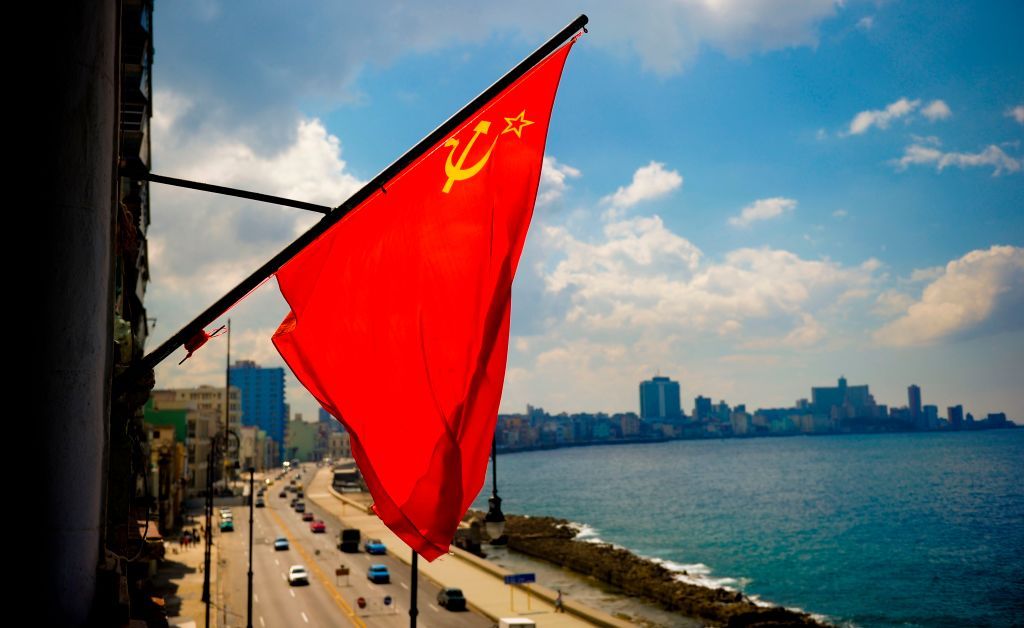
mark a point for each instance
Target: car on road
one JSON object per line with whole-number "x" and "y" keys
{"x": 375, "y": 546}
{"x": 297, "y": 575}
{"x": 282, "y": 494}
{"x": 318, "y": 527}
{"x": 260, "y": 503}
{"x": 227, "y": 526}
{"x": 308, "y": 516}
{"x": 280, "y": 543}
{"x": 300, "y": 506}
{"x": 452, "y": 599}
{"x": 378, "y": 574}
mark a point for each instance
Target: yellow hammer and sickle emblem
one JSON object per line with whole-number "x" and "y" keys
{"x": 455, "y": 171}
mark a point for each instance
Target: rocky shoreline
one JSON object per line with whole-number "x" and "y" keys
{"x": 553, "y": 540}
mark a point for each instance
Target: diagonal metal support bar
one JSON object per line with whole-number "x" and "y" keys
{"x": 272, "y": 265}
{"x": 142, "y": 175}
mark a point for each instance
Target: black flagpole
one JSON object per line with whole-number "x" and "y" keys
{"x": 143, "y": 175}
{"x": 413, "y": 611}
{"x": 261, "y": 274}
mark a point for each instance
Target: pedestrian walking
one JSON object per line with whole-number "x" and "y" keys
{"x": 559, "y": 608}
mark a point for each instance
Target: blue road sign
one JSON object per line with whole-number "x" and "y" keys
{"x": 520, "y": 578}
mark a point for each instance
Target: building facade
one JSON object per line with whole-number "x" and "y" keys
{"x": 263, "y": 398}
{"x": 659, "y": 399}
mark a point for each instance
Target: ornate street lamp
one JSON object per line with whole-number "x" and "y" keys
{"x": 494, "y": 520}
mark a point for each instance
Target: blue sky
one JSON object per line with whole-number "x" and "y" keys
{"x": 750, "y": 197}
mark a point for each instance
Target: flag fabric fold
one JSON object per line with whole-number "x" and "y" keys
{"x": 400, "y": 312}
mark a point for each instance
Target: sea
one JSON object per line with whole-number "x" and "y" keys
{"x": 914, "y": 529}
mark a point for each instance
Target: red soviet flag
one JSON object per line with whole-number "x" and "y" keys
{"x": 399, "y": 317}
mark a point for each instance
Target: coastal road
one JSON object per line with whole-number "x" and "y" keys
{"x": 328, "y": 600}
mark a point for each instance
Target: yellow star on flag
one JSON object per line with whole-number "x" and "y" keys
{"x": 517, "y": 123}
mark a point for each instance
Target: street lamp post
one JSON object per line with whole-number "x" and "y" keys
{"x": 220, "y": 444}
{"x": 252, "y": 496}
{"x": 494, "y": 520}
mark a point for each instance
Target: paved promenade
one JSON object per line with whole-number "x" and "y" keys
{"x": 481, "y": 581}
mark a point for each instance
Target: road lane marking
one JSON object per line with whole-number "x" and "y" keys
{"x": 255, "y": 598}
{"x": 404, "y": 586}
{"x": 330, "y": 588}
{"x": 292, "y": 591}
{"x": 434, "y": 608}
{"x": 277, "y": 562}
{"x": 262, "y": 623}
{"x": 304, "y": 618}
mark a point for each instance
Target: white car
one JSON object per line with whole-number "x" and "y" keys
{"x": 297, "y": 575}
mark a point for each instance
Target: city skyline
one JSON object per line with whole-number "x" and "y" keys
{"x": 834, "y": 191}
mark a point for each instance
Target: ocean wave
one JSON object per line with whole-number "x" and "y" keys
{"x": 585, "y": 532}
{"x": 697, "y": 574}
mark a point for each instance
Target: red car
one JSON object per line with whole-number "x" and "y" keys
{"x": 307, "y": 516}
{"x": 318, "y": 526}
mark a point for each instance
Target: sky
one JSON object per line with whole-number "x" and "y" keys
{"x": 749, "y": 197}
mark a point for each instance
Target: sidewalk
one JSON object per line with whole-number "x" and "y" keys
{"x": 180, "y": 580}
{"x": 481, "y": 581}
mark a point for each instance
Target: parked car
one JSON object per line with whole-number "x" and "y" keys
{"x": 378, "y": 574}
{"x": 297, "y": 575}
{"x": 227, "y": 526}
{"x": 374, "y": 546}
{"x": 318, "y": 527}
{"x": 452, "y": 599}
{"x": 280, "y": 543}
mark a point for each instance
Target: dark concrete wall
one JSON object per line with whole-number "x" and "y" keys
{"x": 73, "y": 360}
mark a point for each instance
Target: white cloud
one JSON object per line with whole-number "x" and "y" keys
{"x": 892, "y": 303}
{"x": 553, "y": 180}
{"x": 1017, "y": 113}
{"x": 840, "y": 213}
{"x": 881, "y": 118}
{"x": 763, "y": 209}
{"x": 937, "y": 110}
{"x": 642, "y": 275}
{"x": 992, "y": 156}
{"x": 649, "y": 182}
{"x": 202, "y": 244}
{"x": 981, "y": 292}
{"x": 866, "y": 23}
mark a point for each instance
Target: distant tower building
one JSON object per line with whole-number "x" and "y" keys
{"x": 931, "y": 417}
{"x": 263, "y": 403}
{"x": 955, "y": 414}
{"x": 702, "y": 408}
{"x": 914, "y": 404}
{"x": 844, "y": 400}
{"x": 659, "y": 399}
{"x": 332, "y": 424}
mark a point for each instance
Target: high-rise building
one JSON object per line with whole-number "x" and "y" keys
{"x": 914, "y": 404}
{"x": 659, "y": 399}
{"x": 955, "y": 414}
{"x": 843, "y": 400}
{"x": 931, "y": 417}
{"x": 702, "y": 408}
{"x": 263, "y": 403}
{"x": 332, "y": 424}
